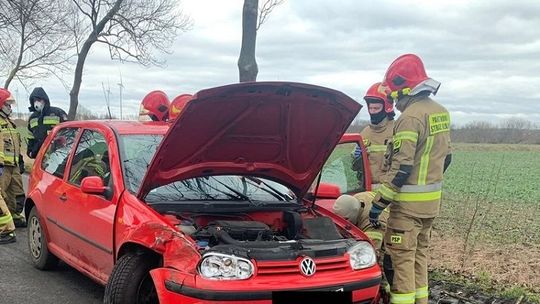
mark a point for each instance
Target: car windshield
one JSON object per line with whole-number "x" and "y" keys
{"x": 222, "y": 187}
{"x": 138, "y": 150}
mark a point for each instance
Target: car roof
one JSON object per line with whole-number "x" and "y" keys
{"x": 123, "y": 127}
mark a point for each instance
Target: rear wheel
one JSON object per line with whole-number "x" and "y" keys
{"x": 40, "y": 255}
{"x": 130, "y": 281}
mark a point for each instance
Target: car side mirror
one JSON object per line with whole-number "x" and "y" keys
{"x": 93, "y": 185}
{"x": 327, "y": 190}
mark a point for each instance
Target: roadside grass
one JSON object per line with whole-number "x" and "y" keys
{"x": 489, "y": 226}
{"x": 483, "y": 284}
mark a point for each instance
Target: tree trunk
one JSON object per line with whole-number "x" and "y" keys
{"x": 247, "y": 65}
{"x": 81, "y": 58}
{"x": 10, "y": 78}
{"x": 17, "y": 66}
{"x": 74, "y": 93}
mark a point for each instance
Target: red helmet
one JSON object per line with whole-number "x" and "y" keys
{"x": 155, "y": 105}
{"x": 379, "y": 93}
{"x": 407, "y": 76}
{"x": 5, "y": 96}
{"x": 178, "y": 104}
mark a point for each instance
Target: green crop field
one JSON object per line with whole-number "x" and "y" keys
{"x": 499, "y": 182}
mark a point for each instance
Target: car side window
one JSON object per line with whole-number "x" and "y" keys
{"x": 91, "y": 158}
{"x": 344, "y": 168}
{"x": 55, "y": 159}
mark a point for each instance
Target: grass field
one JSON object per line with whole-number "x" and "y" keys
{"x": 499, "y": 182}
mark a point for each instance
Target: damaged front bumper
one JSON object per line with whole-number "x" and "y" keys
{"x": 174, "y": 286}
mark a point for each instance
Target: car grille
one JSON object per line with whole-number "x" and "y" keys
{"x": 269, "y": 268}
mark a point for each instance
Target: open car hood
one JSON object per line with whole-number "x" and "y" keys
{"x": 277, "y": 130}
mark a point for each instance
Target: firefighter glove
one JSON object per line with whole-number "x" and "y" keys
{"x": 357, "y": 151}
{"x": 374, "y": 214}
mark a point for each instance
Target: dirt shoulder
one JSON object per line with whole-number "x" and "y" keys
{"x": 491, "y": 266}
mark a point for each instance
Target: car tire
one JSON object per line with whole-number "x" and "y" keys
{"x": 40, "y": 255}
{"x": 130, "y": 281}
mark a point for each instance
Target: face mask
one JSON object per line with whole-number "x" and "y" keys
{"x": 378, "y": 117}
{"x": 6, "y": 109}
{"x": 39, "y": 105}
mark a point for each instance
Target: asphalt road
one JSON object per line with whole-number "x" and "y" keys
{"x": 21, "y": 283}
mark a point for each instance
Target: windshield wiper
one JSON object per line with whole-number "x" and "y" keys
{"x": 237, "y": 194}
{"x": 273, "y": 191}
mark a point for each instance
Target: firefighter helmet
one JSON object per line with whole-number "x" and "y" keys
{"x": 178, "y": 104}
{"x": 5, "y": 97}
{"x": 155, "y": 105}
{"x": 407, "y": 76}
{"x": 379, "y": 93}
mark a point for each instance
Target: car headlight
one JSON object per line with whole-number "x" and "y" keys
{"x": 219, "y": 266}
{"x": 362, "y": 255}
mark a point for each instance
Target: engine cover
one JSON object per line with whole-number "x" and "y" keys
{"x": 244, "y": 230}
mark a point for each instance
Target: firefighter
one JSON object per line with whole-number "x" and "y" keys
{"x": 379, "y": 132}
{"x": 11, "y": 179}
{"x": 178, "y": 104}
{"x": 42, "y": 120}
{"x": 88, "y": 163}
{"x": 155, "y": 107}
{"x": 411, "y": 187}
{"x": 356, "y": 209}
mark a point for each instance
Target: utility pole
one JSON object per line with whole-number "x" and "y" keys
{"x": 121, "y": 86}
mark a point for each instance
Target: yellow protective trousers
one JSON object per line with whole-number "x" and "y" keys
{"x": 407, "y": 240}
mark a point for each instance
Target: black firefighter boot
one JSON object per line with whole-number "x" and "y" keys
{"x": 19, "y": 219}
{"x": 7, "y": 237}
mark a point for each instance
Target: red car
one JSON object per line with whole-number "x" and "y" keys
{"x": 215, "y": 207}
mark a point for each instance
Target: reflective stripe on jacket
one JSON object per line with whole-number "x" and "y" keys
{"x": 10, "y": 145}
{"x": 375, "y": 139}
{"x": 39, "y": 126}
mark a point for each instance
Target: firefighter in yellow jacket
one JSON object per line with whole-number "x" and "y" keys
{"x": 355, "y": 209}
{"x": 411, "y": 187}
{"x": 379, "y": 132}
{"x": 7, "y": 159}
{"x": 11, "y": 179}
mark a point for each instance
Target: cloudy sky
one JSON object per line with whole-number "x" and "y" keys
{"x": 485, "y": 53}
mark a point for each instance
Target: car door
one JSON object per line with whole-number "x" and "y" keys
{"x": 350, "y": 173}
{"x": 52, "y": 186}
{"x": 91, "y": 216}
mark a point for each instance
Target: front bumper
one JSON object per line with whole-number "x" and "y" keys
{"x": 175, "y": 287}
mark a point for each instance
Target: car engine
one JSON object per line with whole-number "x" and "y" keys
{"x": 313, "y": 236}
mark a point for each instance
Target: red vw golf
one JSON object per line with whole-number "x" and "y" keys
{"x": 215, "y": 207}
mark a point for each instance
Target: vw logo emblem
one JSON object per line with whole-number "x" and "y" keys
{"x": 307, "y": 266}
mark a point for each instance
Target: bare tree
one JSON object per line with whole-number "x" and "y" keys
{"x": 130, "y": 29}
{"x": 265, "y": 9}
{"x": 33, "y": 39}
{"x": 253, "y": 17}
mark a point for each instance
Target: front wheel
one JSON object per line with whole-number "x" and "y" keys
{"x": 40, "y": 255}
{"x": 130, "y": 281}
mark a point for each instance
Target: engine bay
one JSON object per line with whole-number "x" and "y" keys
{"x": 275, "y": 235}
